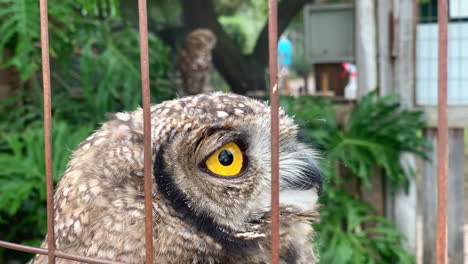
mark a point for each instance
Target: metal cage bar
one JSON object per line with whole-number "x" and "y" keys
{"x": 442, "y": 134}
{"x": 145, "y": 89}
{"x": 274, "y": 102}
{"x": 47, "y": 130}
{"x": 51, "y": 251}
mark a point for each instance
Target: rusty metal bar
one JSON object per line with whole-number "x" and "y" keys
{"x": 274, "y": 102}
{"x": 442, "y": 135}
{"x": 47, "y": 130}
{"x": 145, "y": 89}
{"x": 59, "y": 254}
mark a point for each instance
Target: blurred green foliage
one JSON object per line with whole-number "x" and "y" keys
{"x": 376, "y": 134}
{"x": 95, "y": 54}
{"x": 95, "y": 65}
{"x": 242, "y": 20}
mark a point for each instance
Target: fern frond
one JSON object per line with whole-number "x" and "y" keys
{"x": 20, "y": 31}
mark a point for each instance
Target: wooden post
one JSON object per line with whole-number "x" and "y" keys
{"x": 403, "y": 54}
{"x": 405, "y": 205}
{"x": 375, "y": 194}
{"x": 325, "y": 82}
{"x": 366, "y": 62}
{"x": 455, "y": 208}
{"x": 429, "y": 198}
{"x": 385, "y": 36}
{"x": 366, "y": 46}
{"x": 396, "y": 42}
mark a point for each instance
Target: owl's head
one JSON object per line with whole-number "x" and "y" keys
{"x": 201, "y": 38}
{"x": 211, "y": 191}
{"x": 213, "y": 165}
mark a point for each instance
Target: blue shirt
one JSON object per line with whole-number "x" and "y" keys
{"x": 284, "y": 52}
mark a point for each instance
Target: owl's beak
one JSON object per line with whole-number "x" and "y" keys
{"x": 300, "y": 184}
{"x": 304, "y": 176}
{"x": 302, "y": 188}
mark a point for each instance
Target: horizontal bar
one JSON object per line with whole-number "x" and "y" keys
{"x": 58, "y": 254}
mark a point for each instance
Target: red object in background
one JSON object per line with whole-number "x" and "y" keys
{"x": 348, "y": 68}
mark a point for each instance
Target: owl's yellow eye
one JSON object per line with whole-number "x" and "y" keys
{"x": 226, "y": 161}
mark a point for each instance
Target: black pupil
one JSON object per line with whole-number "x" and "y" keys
{"x": 225, "y": 157}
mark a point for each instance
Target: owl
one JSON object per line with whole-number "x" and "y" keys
{"x": 194, "y": 62}
{"x": 211, "y": 186}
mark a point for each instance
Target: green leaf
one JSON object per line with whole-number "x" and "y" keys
{"x": 375, "y": 136}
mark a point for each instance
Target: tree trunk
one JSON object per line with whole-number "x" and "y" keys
{"x": 242, "y": 72}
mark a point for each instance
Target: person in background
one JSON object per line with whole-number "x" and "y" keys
{"x": 285, "y": 49}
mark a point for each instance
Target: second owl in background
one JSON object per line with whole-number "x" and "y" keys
{"x": 194, "y": 62}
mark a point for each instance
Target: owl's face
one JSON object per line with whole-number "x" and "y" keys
{"x": 216, "y": 174}
{"x": 201, "y": 39}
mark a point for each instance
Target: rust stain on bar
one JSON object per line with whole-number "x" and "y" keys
{"x": 47, "y": 130}
{"x": 442, "y": 136}
{"x": 58, "y": 254}
{"x": 274, "y": 104}
{"x": 145, "y": 88}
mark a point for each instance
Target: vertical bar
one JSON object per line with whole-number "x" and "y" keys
{"x": 274, "y": 100}
{"x": 47, "y": 130}
{"x": 145, "y": 89}
{"x": 442, "y": 140}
